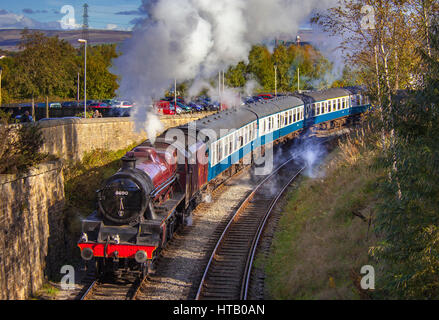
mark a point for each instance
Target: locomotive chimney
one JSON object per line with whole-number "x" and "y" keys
{"x": 129, "y": 161}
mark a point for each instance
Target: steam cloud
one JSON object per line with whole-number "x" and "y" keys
{"x": 194, "y": 39}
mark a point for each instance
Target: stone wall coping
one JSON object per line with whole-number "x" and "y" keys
{"x": 62, "y": 122}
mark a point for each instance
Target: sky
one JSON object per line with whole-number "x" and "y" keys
{"x": 56, "y": 14}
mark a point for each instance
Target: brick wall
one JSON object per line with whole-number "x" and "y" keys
{"x": 31, "y": 228}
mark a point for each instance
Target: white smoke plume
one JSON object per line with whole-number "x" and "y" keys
{"x": 250, "y": 87}
{"x": 310, "y": 152}
{"x": 190, "y": 39}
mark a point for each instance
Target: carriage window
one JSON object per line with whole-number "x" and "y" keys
{"x": 230, "y": 145}
{"x": 220, "y": 152}
{"x": 213, "y": 159}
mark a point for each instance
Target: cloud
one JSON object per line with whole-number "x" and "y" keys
{"x": 111, "y": 26}
{"x": 9, "y": 20}
{"x": 31, "y": 11}
{"x": 130, "y": 13}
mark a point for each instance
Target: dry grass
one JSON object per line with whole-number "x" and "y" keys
{"x": 325, "y": 230}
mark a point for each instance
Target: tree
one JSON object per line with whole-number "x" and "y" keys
{"x": 44, "y": 67}
{"x": 48, "y": 66}
{"x": 391, "y": 55}
{"x": 410, "y": 248}
{"x": 101, "y": 83}
{"x": 236, "y": 75}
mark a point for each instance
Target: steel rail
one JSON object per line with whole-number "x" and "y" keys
{"x": 237, "y": 213}
{"x": 255, "y": 243}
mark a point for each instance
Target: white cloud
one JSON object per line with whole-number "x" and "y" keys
{"x": 9, "y": 20}
{"x": 111, "y": 26}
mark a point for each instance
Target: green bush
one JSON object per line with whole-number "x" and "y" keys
{"x": 20, "y": 146}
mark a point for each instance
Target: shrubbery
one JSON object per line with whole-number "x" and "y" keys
{"x": 19, "y": 146}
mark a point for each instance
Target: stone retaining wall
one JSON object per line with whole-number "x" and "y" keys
{"x": 31, "y": 228}
{"x": 70, "y": 139}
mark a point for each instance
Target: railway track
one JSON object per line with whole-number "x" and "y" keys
{"x": 123, "y": 288}
{"x": 228, "y": 271}
{"x": 229, "y": 268}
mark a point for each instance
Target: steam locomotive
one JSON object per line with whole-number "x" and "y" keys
{"x": 159, "y": 185}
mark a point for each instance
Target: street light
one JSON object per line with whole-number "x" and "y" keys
{"x": 275, "y": 80}
{"x": 85, "y": 75}
{"x": 1, "y": 85}
{"x": 1, "y": 70}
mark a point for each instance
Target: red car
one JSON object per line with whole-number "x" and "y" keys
{"x": 266, "y": 96}
{"x": 99, "y": 105}
{"x": 165, "y": 107}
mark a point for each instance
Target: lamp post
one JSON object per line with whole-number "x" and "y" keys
{"x": 85, "y": 75}
{"x": 1, "y": 70}
{"x": 275, "y": 80}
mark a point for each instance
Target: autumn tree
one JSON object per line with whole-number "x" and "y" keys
{"x": 101, "y": 82}
{"x": 395, "y": 46}
{"x": 48, "y": 66}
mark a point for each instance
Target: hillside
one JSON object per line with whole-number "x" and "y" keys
{"x": 10, "y": 38}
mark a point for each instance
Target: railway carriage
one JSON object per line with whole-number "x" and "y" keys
{"x": 158, "y": 186}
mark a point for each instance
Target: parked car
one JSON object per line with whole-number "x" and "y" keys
{"x": 266, "y": 96}
{"x": 195, "y": 107}
{"x": 99, "y": 105}
{"x": 165, "y": 107}
{"x": 52, "y": 105}
{"x": 121, "y": 104}
{"x": 184, "y": 107}
{"x": 72, "y": 104}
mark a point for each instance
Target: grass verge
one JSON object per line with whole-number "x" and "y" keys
{"x": 325, "y": 232}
